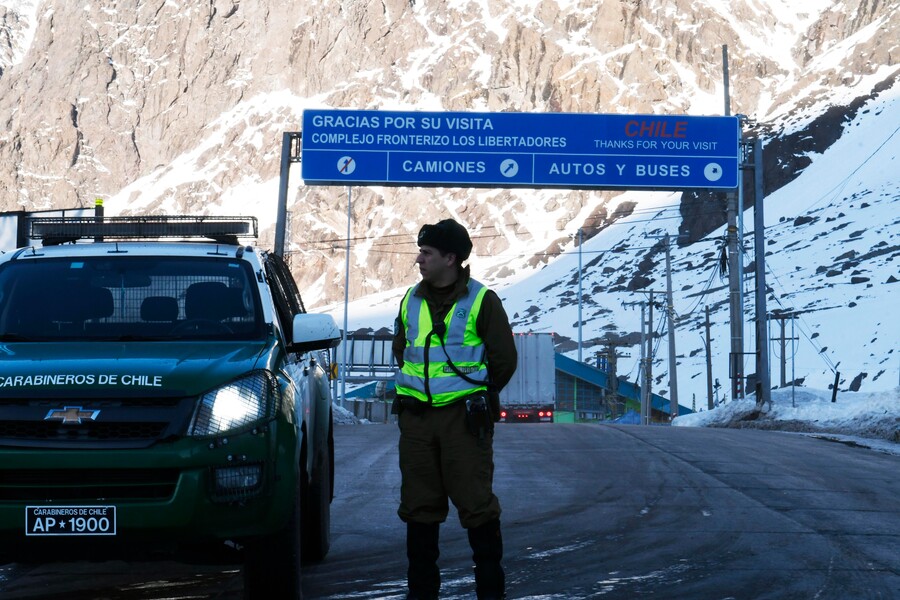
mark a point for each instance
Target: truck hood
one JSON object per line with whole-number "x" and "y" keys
{"x": 125, "y": 369}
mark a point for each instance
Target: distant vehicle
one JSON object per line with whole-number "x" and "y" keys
{"x": 530, "y": 396}
{"x": 162, "y": 394}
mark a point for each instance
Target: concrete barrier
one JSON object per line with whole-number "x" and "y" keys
{"x": 374, "y": 410}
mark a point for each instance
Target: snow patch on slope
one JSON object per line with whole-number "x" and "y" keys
{"x": 21, "y": 37}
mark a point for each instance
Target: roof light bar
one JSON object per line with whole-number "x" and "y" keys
{"x": 56, "y": 230}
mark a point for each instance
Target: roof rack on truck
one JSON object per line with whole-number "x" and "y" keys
{"x": 59, "y": 230}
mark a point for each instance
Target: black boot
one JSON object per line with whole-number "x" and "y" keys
{"x": 487, "y": 552}
{"x": 423, "y": 575}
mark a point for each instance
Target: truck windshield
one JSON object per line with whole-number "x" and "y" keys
{"x": 129, "y": 298}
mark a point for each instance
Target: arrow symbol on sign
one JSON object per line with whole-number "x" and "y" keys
{"x": 509, "y": 168}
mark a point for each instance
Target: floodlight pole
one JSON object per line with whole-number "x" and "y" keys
{"x": 290, "y": 153}
{"x": 346, "y": 298}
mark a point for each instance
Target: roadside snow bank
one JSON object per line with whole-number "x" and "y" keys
{"x": 873, "y": 415}
{"x": 342, "y": 415}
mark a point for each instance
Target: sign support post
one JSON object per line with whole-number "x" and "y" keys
{"x": 346, "y": 297}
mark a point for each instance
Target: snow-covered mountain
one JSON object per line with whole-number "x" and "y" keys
{"x": 832, "y": 243}
{"x": 178, "y": 106}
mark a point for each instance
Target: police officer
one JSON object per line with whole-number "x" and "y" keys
{"x": 456, "y": 351}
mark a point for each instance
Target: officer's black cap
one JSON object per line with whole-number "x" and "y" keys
{"x": 447, "y": 236}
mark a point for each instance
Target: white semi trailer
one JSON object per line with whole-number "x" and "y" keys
{"x": 530, "y": 396}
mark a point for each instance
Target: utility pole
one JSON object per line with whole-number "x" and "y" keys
{"x": 783, "y": 380}
{"x": 781, "y": 318}
{"x": 613, "y": 377}
{"x": 793, "y": 374}
{"x": 709, "y": 380}
{"x": 735, "y": 269}
{"x": 670, "y": 317}
{"x": 725, "y": 76}
{"x": 580, "y": 292}
{"x": 648, "y": 372}
{"x": 735, "y": 302}
{"x": 643, "y": 365}
{"x": 612, "y": 357}
{"x": 670, "y": 326}
{"x": 763, "y": 376}
{"x": 646, "y": 361}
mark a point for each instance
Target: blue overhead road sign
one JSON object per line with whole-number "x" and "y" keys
{"x": 467, "y": 149}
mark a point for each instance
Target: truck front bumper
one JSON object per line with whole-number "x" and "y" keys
{"x": 191, "y": 490}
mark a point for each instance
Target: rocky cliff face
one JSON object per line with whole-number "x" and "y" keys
{"x": 179, "y": 107}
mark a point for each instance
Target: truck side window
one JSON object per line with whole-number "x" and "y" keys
{"x": 284, "y": 291}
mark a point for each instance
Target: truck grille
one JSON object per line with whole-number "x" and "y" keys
{"x": 88, "y": 423}
{"x": 95, "y": 431}
{"x": 86, "y": 484}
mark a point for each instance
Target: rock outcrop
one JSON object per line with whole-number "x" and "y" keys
{"x": 179, "y": 107}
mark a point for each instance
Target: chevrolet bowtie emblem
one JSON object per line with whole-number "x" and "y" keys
{"x": 71, "y": 415}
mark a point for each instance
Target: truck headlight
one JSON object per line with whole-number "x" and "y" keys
{"x": 242, "y": 402}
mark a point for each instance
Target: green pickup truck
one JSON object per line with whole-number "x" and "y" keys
{"x": 162, "y": 395}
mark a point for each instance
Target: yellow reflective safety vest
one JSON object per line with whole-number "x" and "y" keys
{"x": 426, "y": 374}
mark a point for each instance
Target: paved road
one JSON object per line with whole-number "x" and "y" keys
{"x": 628, "y": 511}
{"x": 590, "y": 512}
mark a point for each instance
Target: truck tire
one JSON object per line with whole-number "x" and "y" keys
{"x": 317, "y": 507}
{"x": 272, "y": 563}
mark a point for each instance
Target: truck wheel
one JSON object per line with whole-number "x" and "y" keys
{"x": 317, "y": 507}
{"x": 272, "y": 563}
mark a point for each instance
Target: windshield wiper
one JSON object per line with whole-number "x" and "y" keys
{"x": 13, "y": 337}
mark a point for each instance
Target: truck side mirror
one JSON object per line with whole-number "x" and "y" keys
{"x": 314, "y": 332}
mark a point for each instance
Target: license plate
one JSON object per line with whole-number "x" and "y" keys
{"x": 70, "y": 520}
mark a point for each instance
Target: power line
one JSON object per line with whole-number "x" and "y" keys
{"x": 703, "y": 292}
{"x": 840, "y": 185}
{"x": 595, "y": 220}
{"x": 803, "y": 325}
{"x": 333, "y": 245}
